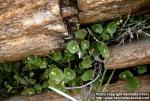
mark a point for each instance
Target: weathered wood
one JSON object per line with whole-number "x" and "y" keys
{"x": 120, "y": 85}
{"x": 69, "y": 11}
{"x": 129, "y": 55}
{"x": 102, "y": 10}
{"x": 29, "y": 27}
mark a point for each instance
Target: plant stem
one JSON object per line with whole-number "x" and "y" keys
{"x": 108, "y": 80}
{"x": 104, "y": 73}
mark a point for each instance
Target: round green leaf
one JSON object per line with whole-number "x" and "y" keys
{"x": 68, "y": 56}
{"x": 142, "y": 69}
{"x": 81, "y": 34}
{"x": 82, "y": 52}
{"x": 73, "y": 46}
{"x": 28, "y": 91}
{"x": 105, "y": 36}
{"x": 38, "y": 88}
{"x": 97, "y": 28}
{"x": 56, "y": 75}
{"x": 111, "y": 28}
{"x": 103, "y": 48}
{"x": 69, "y": 74}
{"x": 125, "y": 75}
{"x": 9, "y": 88}
{"x": 87, "y": 62}
{"x": 88, "y": 75}
{"x": 57, "y": 55}
{"x": 32, "y": 81}
{"x": 31, "y": 74}
{"x": 45, "y": 84}
{"x": 85, "y": 44}
{"x": 35, "y": 62}
{"x": 132, "y": 84}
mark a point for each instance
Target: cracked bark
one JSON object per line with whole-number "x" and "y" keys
{"x": 29, "y": 27}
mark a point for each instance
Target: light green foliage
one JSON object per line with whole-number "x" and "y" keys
{"x": 81, "y": 34}
{"x": 73, "y": 46}
{"x": 97, "y": 28}
{"x": 141, "y": 69}
{"x": 73, "y": 66}
{"x": 9, "y": 87}
{"x": 31, "y": 81}
{"x": 105, "y": 36}
{"x": 125, "y": 75}
{"x": 31, "y": 74}
{"x": 56, "y": 75}
{"x": 111, "y": 28}
{"x": 103, "y": 49}
{"x": 132, "y": 82}
{"x": 85, "y": 44}
{"x": 35, "y": 62}
{"x": 68, "y": 56}
{"x": 57, "y": 55}
{"x": 87, "y": 62}
{"x": 88, "y": 75}
{"x": 28, "y": 91}
{"x": 38, "y": 88}
{"x": 69, "y": 74}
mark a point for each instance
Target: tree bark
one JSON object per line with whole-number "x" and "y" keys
{"x": 102, "y": 10}
{"x": 29, "y": 27}
{"x": 129, "y": 55}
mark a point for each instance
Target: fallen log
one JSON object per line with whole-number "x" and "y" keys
{"x": 115, "y": 87}
{"x": 129, "y": 55}
{"x": 29, "y": 27}
{"x": 102, "y": 10}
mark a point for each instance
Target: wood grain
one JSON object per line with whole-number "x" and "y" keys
{"x": 129, "y": 55}
{"x": 29, "y": 27}
{"x": 101, "y": 10}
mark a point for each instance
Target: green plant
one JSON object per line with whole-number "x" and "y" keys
{"x": 141, "y": 69}
{"x": 77, "y": 66}
{"x": 132, "y": 82}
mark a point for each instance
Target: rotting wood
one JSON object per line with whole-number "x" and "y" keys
{"x": 102, "y": 10}
{"x": 29, "y": 27}
{"x": 129, "y": 55}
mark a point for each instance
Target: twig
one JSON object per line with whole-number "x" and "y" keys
{"x": 124, "y": 24}
{"x": 89, "y": 83}
{"x": 146, "y": 34}
{"x": 104, "y": 73}
{"x": 93, "y": 35}
{"x": 108, "y": 80}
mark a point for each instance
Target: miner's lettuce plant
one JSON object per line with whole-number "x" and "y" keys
{"x": 73, "y": 67}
